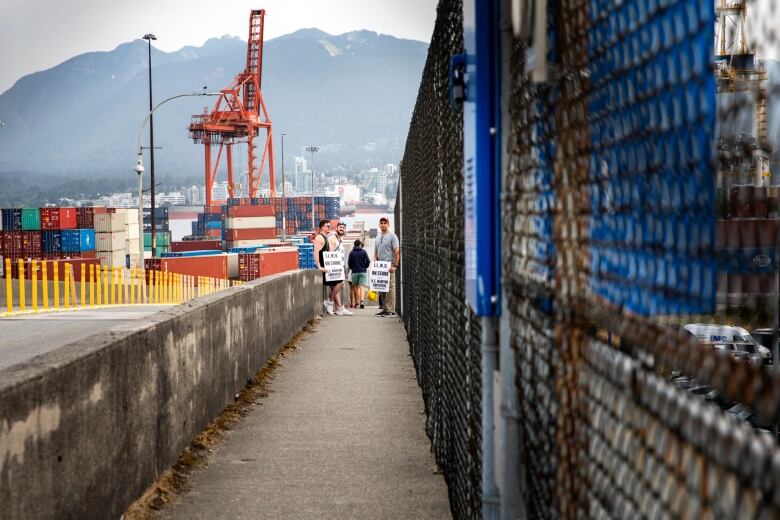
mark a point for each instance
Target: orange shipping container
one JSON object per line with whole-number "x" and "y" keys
{"x": 251, "y": 211}
{"x": 213, "y": 266}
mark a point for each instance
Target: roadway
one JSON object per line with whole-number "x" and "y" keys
{"x": 25, "y": 336}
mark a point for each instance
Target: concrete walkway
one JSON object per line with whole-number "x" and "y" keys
{"x": 341, "y": 435}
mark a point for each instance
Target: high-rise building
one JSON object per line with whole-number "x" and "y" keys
{"x": 300, "y": 165}
{"x": 303, "y": 181}
{"x": 377, "y": 181}
{"x": 220, "y": 191}
{"x": 390, "y": 169}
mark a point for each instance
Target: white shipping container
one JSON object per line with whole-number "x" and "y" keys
{"x": 251, "y": 223}
{"x": 110, "y": 241}
{"x": 112, "y": 258}
{"x": 132, "y": 245}
{"x": 253, "y": 243}
{"x": 232, "y": 265}
{"x": 109, "y": 222}
{"x": 131, "y": 214}
{"x": 131, "y": 230}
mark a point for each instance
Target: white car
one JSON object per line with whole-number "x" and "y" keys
{"x": 729, "y": 338}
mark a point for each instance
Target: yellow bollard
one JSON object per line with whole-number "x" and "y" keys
{"x": 45, "y": 284}
{"x": 34, "y": 286}
{"x": 91, "y": 285}
{"x": 125, "y": 286}
{"x": 164, "y": 287}
{"x": 72, "y": 282}
{"x": 106, "y": 285}
{"x": 9, "y": 288}
{"x": 131, "y": 274}
{"x": 83, "y": 284}
{"x": 113, "y": 285}
{"x": 67, "y": 287}
{"x": 98, "y": 286}
{"x": 151, "y": 287}
{"x": 56, "y": 280}
{"x": 178, "y": 288}
{"x": 22, "y": 303}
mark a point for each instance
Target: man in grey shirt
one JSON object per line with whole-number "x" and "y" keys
{"x": 387, "y": 249}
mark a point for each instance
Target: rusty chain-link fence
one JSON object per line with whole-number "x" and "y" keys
{"x": 638, "y": 200}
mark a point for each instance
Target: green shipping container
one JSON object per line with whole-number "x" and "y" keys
{"x": 163, "y": 239}
{"x": 31, "y": 219}
{"x": 160, "y": 249}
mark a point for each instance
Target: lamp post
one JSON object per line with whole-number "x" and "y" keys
{"x": 139, "y": 165}
{"x": 284, "y": 196}
{"x": 149, "y": 37}
{"x": 312, "y": 149}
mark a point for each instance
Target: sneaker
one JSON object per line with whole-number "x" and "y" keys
{"x": 344, "y": 312}
{"x": 328, "y": 306}
{"x": 381, "y": 313}
{"x": 362, "y": 306}
{"x": 390, "y": 314}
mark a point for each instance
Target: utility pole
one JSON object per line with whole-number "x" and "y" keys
{"x": 149, "y": 37}
{"x": 312, "y": 149}
{"x": 284, "y": 196}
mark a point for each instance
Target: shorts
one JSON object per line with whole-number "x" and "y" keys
{"x": 331, "y": 284}
{"x": 360, "y": 279}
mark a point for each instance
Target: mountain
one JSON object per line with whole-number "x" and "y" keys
{"x": 351, "y": 94}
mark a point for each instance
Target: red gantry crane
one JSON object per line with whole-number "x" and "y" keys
{"x": 238, "y": 116}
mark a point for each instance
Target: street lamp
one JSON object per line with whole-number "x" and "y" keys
{"x": 149, "y": 37}
{"x": 284, "y": 196}
{"x": 312, "y": 149}
{"x": 139, "y": 165}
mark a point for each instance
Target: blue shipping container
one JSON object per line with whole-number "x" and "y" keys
{"x": 51, "y": 241}
{"x": 12, "y": 219}
{"x": 77, "y": 240}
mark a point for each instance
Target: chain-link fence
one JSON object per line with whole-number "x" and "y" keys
{"x": 639, "y": 245}
{"x": 443, "y": 334}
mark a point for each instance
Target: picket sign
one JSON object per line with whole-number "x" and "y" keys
{"x": 334, "y": 263}
{"x": 379, "y": 277}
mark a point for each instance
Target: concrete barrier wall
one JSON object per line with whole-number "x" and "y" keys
{"x": 86, "y": 428}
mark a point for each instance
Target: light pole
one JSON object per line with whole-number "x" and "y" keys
{"x": 149, "y": 37}
{"x": 284, "y": 196}
{"x": 312, "y": 149}
{"x": 139, "y": 166}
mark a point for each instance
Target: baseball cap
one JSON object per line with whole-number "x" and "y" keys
{"x": 385, "y": 219}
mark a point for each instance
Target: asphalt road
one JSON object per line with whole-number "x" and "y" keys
{"x": 27, "y": 335}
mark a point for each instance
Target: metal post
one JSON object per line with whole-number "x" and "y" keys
{"x": 284, "y": 196}
{"x": 491, "y": 504}
{"x": 312, "y": 149}
{"x": 510, "y": 475}
{"x": 149, "y": 38}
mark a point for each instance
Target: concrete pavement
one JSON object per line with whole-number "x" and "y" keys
{"x": 24, "y": 336}
{"x": 341, "y": 435}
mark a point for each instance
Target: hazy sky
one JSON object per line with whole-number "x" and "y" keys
{"x": 39, "y": 34}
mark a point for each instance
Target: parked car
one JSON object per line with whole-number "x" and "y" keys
{"x": 765, "y": 337}
{"x": 732, "y": 340}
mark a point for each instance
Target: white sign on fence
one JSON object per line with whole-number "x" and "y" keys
{"x": 379, "y": 278}
{"x": 334, "y": 263}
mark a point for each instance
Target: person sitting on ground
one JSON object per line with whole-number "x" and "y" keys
{"x": 358, "y": 263}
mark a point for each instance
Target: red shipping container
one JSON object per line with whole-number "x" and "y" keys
{"x": 213, "y": 266}
{"x": 12, "y": 243}
{"x": 196, "y": 245}
{"x": 251, "y": 234}
{"x": 767, "y": 232}
{"x": 50, "y": 218}
{"x": 266, "y": 263}
{"x": 251, "y": 211}
{"x": 213, "y": 209}
{"x": 31, "y": 244}
{"x": 68, "y": 218}
{"x": 85, "y": 218}
{"x": 76, "y": 263}
{"x": 214, "y": 233}
{"x": 99, "y": 209}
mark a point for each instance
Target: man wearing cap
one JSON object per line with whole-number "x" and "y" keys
{"x": 387, "y": 249}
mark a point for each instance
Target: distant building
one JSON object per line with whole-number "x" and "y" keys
{"x": 300, "y": 165}
{"x": 174, "y": 198}
{"x": 377, "y": 181}
{"x": 390, "y": 169}
{"x": 303, "y": 181}
{"x": 195, "y": 195}
{"x": 220, "y": 191}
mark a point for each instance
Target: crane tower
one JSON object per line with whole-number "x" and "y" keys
{"x": 238, "y": 116}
